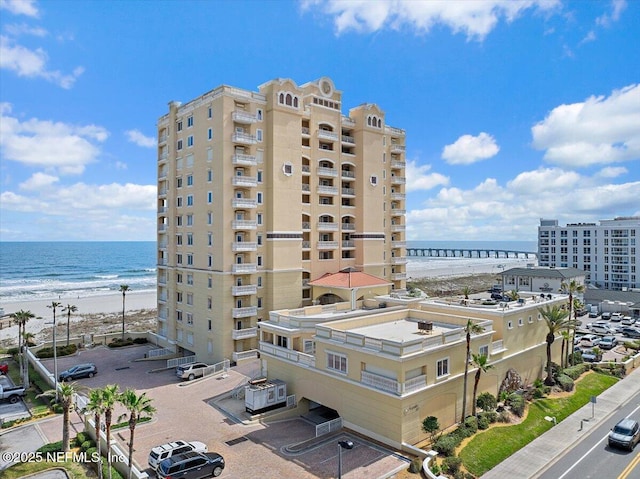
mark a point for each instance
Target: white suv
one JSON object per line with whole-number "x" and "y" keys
{"x": 160, "y": 453}
{"x": 191, "y": 371}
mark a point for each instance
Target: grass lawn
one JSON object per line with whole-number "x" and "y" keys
{"x": 73, "y": 469}
{"x": 493, "y": 446}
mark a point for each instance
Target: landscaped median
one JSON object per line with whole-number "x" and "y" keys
{"x": 490, "y": 447}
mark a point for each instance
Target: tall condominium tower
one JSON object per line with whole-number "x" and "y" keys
{"x": 606, "y": 252}
{"x": 260, "y": 193}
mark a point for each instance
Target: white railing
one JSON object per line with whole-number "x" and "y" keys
{"x": 244, "y": 246}
{"x": 328, "y": 135}
{"x": 415, "y": 384}
{"x": 348, "y": 244}
{"x": 244, "y": 203}
{"x": 244, "y": 138}
{"x": 397, "y": 148}
{"x": 348, "y": 139}
{"x": 348, "y": 191}
{"x": 244, "y": 181}
{"x": 240, "y": 116}
{"x": 327, "y": 244}
{"x": 156, "y": 353}
{"x": 379, "y": 382}
{"x": 327, "y": 226}
{"x": 243, "y": 290}
{"x": 244, "y": 268}
{"x": 244, "y": 312}
{"x": 244, "y": 333}
{"x": 244, "y": 160}
{"x": 175, "y": 362}
{"x": 398, "y": 180}
{"x": 348, "y": 174}
{"x": 244, "y": 224}
{"x": 323, "y": 171}
{"x": 303, "y": 359}
{"x": 240, "y": 355}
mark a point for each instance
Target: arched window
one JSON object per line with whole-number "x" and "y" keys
{"x": 295, "y": 101}
{"x": 379, "y": 123}
{"x": 369, "y": 121}
{"x": 288, "y": 99}
{"x": 281, "y": 98}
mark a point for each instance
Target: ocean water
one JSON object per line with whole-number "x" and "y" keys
{"x": 51, "y": 270}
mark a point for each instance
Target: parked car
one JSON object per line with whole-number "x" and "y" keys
{"x": 625, "y": 434}
{"x": 608, "y": 342}
{"x": 496, "y": 296}
{"x": 191, "y": 465}
{"x": 589, "y": 356}
{"x": 593, "y": 314}
{"x": 602, "y": 329}
{"x": 630, "y": 332}
{"x": 191, "y": 371}
{"x": 606, "y": 316}
{"x": 628, "y": 321}
{"x": 78, "y": 371}
{"x": 616, "y": 317}
{"x": 590, "y": 340}
{"x": 165, "y": 451}
{"x": 597, "y": 323}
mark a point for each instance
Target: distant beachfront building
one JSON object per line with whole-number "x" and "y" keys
{"x": 260, "y": 193}
{"x": 540, "y": 279}
{"x": 606, "y": 252}
{"x": 396, "y": 359}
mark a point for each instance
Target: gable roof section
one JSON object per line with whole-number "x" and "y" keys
{"x": 349, "y": 278}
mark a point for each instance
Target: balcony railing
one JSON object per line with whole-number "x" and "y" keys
{"x": 305, "y": 131}
{"x": 244, "y": 290}
{"x": 306, "y": 360}
{"x": 348, "y": 174}
{"x": 244, "y": 160}
{"x": 398, "y": 180}
{"x": 349, "y": 191}
{"x": 326, "y": 226}
{"x": 162, "y": 192}
{"x": 327, "y": 244}
{"x": 391, "y": 385}
{"x": 398, "y": 276}
{"x": 328, "y": 135}
{"x": 348, "y": 244}
{"x": 244, "y": 138}
{"x": 306, "y": 245}
{"x": 244, "y": 268}
{"x": 398, "y": 212}
{"x": 395, "y": 148}
{"x": 305, "y": 168}
{"x": 244, "y": 224}
{"x": 328, "y": 190}
{"x": 398, "y": 244}
{"x": 306, "y": 187}
{"x": 244, "y": 312}
{"x": 348, "y": 139}
{"x": 398, "y": 227}
{"x": 398, "y": 196}
{"x": 349, "y": 226}
{"x": 398, "y": 164}
{"x": 162, "y": 227}
{"x": 244, "y": 333}
{"x": 247, "y": 181}
{"x": 243, "y": 203}
{"x": 323, "y": 171}
{"x": 239, "y": 246}
{"x": 240, "y": 355}
{"x": 399, "y": 260}
{"x": 243, "y": 117}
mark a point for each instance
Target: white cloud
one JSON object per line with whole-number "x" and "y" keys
{"x": 589, "y": 37}
{"x": 469, "y": 149}
{"x": 33, "y": 64}
{"x": 135, "y": 136}
{"x": 419, "y": 178}
{"x": 20, "y": 7}
{"x": 38, "y": 181}
{"x": 512, "y": 211}
{"x": 121, "y": 165}
{"x": 475, "y": 19}
{"x": 600, "y": 130}
{"x": 24, "y": 29}
{"x": 612, "y": 171}
{"x": 42, "y": 143}
{"x": 617, "y": 7}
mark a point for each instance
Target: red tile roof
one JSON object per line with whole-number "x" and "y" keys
{"x": 348, "y": 278}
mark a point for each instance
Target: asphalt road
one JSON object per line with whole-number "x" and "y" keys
{"x": 591, "y": 457}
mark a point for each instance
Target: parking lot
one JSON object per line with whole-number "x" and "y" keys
{"x": 188, "y": 411}
{"x": 613, "y": 327}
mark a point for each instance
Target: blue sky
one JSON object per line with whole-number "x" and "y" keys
{"x": 514, "y": 111}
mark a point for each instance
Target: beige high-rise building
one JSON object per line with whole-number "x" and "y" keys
{"x": 260, "y": 193}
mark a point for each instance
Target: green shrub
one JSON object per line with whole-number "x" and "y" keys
{"x": 86, "y": 445}
{"x": 51, "y": 447}
{"x": 538, "y": 383}
{"x": 471, "y": 423}
{"x": 486, "y": 402}
{"x": 434, "y": 468}
{"x": 140, "y": 341}
{"x": 451, "y": 464}
{"x": 463, "y": 432}
{"x": 60, "y": 351}
{"x": 80, "y": 438}
{"x": 416, "y": 465}
{"x": 503, "y": 416}
{"x": 538, "y": 393}
{"x": 565, "y": 382}
{"x": 574, "y": 372}
{"x": 516, "y": 403}
{"x": 483, "y": 423}
{"x": 446, "y": 445}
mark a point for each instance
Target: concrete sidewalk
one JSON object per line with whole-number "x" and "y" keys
{"x": 533, "y": 459}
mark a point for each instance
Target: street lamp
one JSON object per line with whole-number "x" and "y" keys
{"x": 342, "y": 445}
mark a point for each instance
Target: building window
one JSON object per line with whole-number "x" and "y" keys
{"x": 179, "y": 201}
{"x": 190, "y": 299}
{"x": 178, "y": 240}
{"x": 190, "y": 279}
{"x": 189, "y": 318}
{"x": 189, "y": 180}
{"x": 190, "y": 200}
{"x": 510, "y": 325}
{"x": 179, "y": 182}
{"x": 178, "y": 258}
{"x": 190, "y": 239}
{"x": 209, "y": 325}
{"x": 259, "y": 134}
{"x": 209, "y": 218}
{"x": 209, "y": 134}
{"x": 287, "y": 169}
{"x": 210, "y": 261}
{"x": 259, "y": 197}
{"x": 259, "y": 281}
{"x": 259, "y": 176}
{"x": 209, "y": 303}
{"x": 190, "y": 259}
{"x": 259, "y": 302}
{"x": 259, "y": 239}
{"x": 209, "y": 239}
{"x": 337, "y": 362}
{"x": 259, "y": 260}
{"x": 282, "y": 341}
{"x": 178, "y": 297}
{"x": 259, "y": 114}
{"x": 210, "y": 282}
{"x": 178, "y": 277}
{"x": 520, "y": 322}
{"x": 443, "y": 367}
{"x": 259, "y": 218}
{"x": 189, "y": 220}
{"x": 178, "y": 315}
{"x": 190, "y": 140}
{"x": 179, "y": 146}
{"x": 483, "y": 350}
{"x": 189, "y": 121}
{"x": 180, "y": 125}
{"x": 209, "y": 197}
{"x": 178, "y": 220}
{"x": 373, "y": 180}
{"x": 209, "y": 176}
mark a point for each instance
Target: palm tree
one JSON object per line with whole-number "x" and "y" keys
{"x": 124, "y": 288}
{"x": 572, "y": 287}
{"x": 514, "y": 295}
{"x": 556, "y": 320}
{"x": 480, "y": 361}
{"x": 70, "y": 308}
{"x": 54, "y": 305}
{"x": 564, "y": 354}
{"x": 97, "y": 407}
{"x": 136, "y": 405}
{"x": 470, "y": 328}
{"x": 22, "y": 317}
{"x": 466, "y": 291}
{"x": 110, "y": 395}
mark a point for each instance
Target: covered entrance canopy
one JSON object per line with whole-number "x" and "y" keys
{"x": 348, "y": 284}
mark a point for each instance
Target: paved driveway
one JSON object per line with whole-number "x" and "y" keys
{"x": 187, "y": 410}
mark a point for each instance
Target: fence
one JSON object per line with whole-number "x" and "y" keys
{"x": 329, "y": 426}
{"x": 175, "y": 362}
{"x": 158, "y": 353}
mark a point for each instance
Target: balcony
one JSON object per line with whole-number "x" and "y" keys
{"x": 395, "y": 148}
{"x": 162, "y": 210}
{"x": 244, "y": 268}
{"x": 398, "y": 164}
{"x": 305, "y": 360}
{"x": 244, "y": 290}
{"x": 324, "y": 245}
{"x": 243, "y": 117}
{"x": 323, "y": 171}
{"x": 246, "y": 333}
{"x": 305, "y": 131}
{"x": 245, "y": 181}
{"x": 349, "y": 226}
{"x": 399, "y": 260}
{"x": 162, "y": 139}
{"x": 306, "y": 187}
{"x": 244, "y": 160}
{"x": 398, "y": 227}
{"x": 348, "y": 174}
{"x": 240, "y": 355}
{"x": 162, "y": 227}
{"x": 326, "y": 226}
{"x": 306, "y": 245}
{"x": 348, "y": 139}
{"x": 327, "y": 135}
{"x": 348, "y": 192}
{"x": 398, "y": 276}
{"x": 306, "y": 225}
{"x": 162, "y": 193}
{"x": 244, "y": 246}
{"x": 163, "y": 262}
{"x": 348, "y": 122}
{"x": 162, "y": 245}
{"x": 391, "y": 385}
{"x": 244, "y": 312}
{"x": 398, "y": 196}
{"x": 162, "y": 298}
{"x": 244, "y": 203}
{"x": 348, "y": 244}
{"x": 244, "y": 225}
{"x": 162, "y": 280}
{"x": 398, "y": 212}
{"x": 398, "y": 244}
{"x": 327, "y": 190}
{"x": 244, "y": 138}
{"x": 306, "y": 169}
{"x": 619, "y": 242}
{"x": 398, "y": 180}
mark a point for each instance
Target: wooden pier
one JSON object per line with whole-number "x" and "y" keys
{"x": 469, "y": 253}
